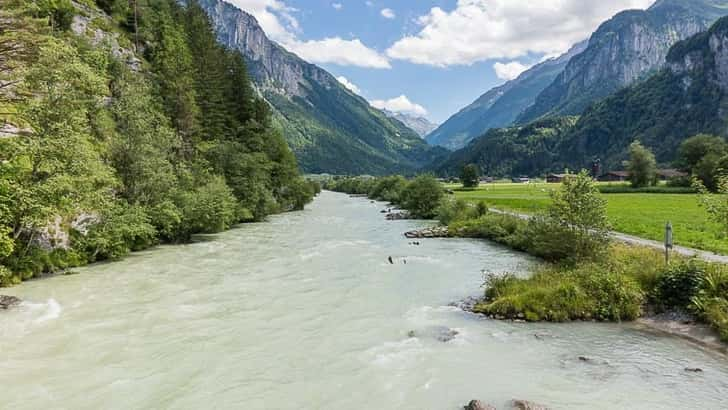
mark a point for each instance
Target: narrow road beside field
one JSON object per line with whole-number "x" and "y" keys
{"x": 637, "y": 241}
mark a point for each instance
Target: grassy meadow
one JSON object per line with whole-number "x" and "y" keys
{"x": 639, "y": 214}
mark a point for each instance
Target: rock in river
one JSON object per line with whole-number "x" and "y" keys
{"x": 7, "y": 302}
{"x": 477, "y": 405}
{"x": 526, "y": 405}
{"x": 440, "y": 333}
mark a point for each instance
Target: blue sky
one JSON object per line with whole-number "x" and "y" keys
{"x": 429, "y": 57}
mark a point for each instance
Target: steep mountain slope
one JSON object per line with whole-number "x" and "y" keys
{"x": 629, "y": 47}
{"x": 329, "y": 128}
{"x": 689, "y": 96}
{"x": 500, "y": 106}
{"x": 526, "y": 150}
{"x": 421, "y": 125}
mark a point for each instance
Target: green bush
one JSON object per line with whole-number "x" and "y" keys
{"x": 453, "y": 210}
{"x": 574, "y": 227}
{"x": 122, "y": 229}
{"x": 422, "y": 196}
{"x": 501, "y": 228}
{"x": 556, "y": 294}
{"x": 616, "y": 296}
{"x": 388, "y": 189}
{"x": 6, "y": 277}
{"x": 679, "y": 284}
{"x": 661, "y": 189}
{"x": 716, "y": 314}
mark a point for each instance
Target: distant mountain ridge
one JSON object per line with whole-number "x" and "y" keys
{"x": 629, "y": 47}
{"x": 685, "y": 98}
{"x": 500, "y": 106}
{"x": 329, "y": 128}
{"x": 421, "y": 125}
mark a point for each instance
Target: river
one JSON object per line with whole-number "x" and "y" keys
{"x": 306, "y": 312}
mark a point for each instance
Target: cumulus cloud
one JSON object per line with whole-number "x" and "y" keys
{"x": 509, "y": 71}
{"x": 280, "y": 24}
{"x": 337, "y": 6}
{"x": 399, "y": 104}
{"x": 388, "y": 13}
{"x": 336, "y": 50}
{"x": 348, "y": 84}
{"x": 478, "y": 30}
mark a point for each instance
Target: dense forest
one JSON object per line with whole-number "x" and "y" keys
{"x": 124, "y": 123}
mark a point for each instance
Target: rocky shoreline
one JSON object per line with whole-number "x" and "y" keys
{"x": 434, "y": 232}
{"x": 671, "y": 323}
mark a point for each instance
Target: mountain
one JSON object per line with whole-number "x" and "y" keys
{"x": 629, "y": 47}
{"x": 500, "y": 106}
{"x": 519, "y": 150}
{"x": 421, "y": 125}
{"x": 687, "y": 97}
{"x": 329, "y": 128}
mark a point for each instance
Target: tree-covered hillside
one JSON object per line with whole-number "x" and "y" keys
{"x": 500, "y": 106}
{"x": 330, "y": 128}
{"x": 125, "y": 123}
{"x": 686, "y": 98}
{"x": 519, "y": 150}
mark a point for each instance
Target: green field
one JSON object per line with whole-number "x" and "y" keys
{"x": 639, "y": 214}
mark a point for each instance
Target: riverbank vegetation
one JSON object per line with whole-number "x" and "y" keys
{"x": 124, "y": 130}
{"x": 585, "y": 276}
{"x": 642, "y": 212}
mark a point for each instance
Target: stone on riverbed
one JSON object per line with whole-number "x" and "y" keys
{"x": 435, "y": 232}
{"x": 6, "y": 302}
{"x": 440, "y": 333}
{"x": 398, "y": 216}
{"x": 477, "y": 405}
{"x": 526, "y": 405}
{"x": 467, "y": 304}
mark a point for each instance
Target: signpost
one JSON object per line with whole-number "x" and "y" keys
{"x": 668, "y": 242}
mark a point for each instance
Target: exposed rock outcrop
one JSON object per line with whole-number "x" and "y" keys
{"x": 398, "y": 216}
{"x": 436, "y": 232}
{"x": 86, "y": 24}
{"x": 477, "y": 405}
{"x": 6, "y": 302}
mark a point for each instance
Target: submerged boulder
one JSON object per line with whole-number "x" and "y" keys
{"x": 6, "y": 302}
{"x": 526, "y": 405}
{"x": 477, "y": 405}
{"x": 440, "y": 333}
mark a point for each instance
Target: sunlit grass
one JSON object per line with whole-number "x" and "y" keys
{"x": 639, "y": 214}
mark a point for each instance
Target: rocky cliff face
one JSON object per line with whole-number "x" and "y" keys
{"x": 500, "y": 106}
{"x": 329, "y": 128}
{"x": 629, "y": 47}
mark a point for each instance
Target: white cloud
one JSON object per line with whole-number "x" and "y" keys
{"x": 280, "y": 24}
{"x": 337, "y": 6}
{"x": 388, "y": 13}
{"x": 348, "y": 84}
{"x": 509, "y": 71}
{"x": 478, "y": 30}
{"x": 336, "y": 50}
{"x": 400, "y": 104}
